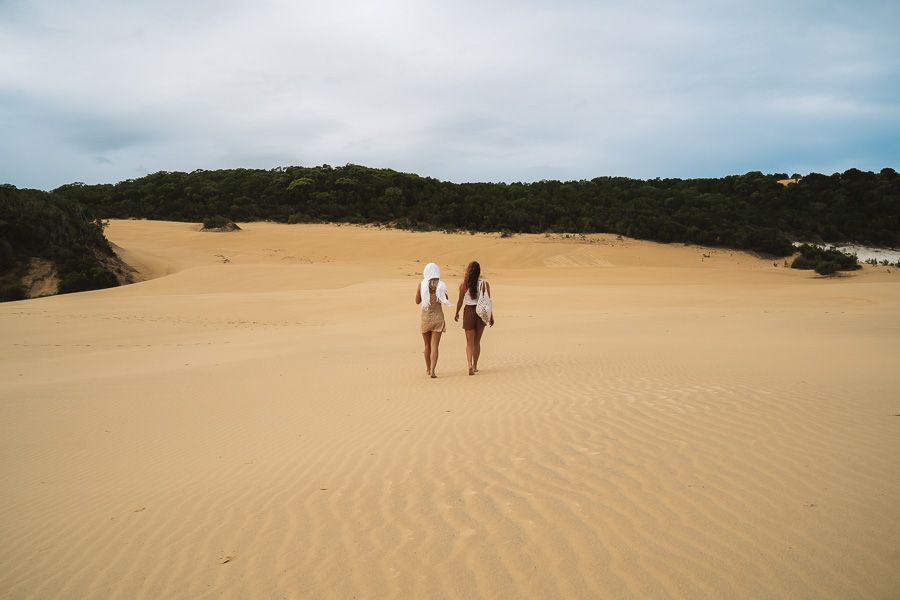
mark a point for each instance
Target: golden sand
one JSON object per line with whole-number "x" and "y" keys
{"x": 254, "y": 421}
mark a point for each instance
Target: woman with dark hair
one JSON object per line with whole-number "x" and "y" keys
{"x": 470, "y": 290}
{"x": 431, "y": 293}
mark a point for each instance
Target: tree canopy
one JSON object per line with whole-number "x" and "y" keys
{"x": 751, "y": 211}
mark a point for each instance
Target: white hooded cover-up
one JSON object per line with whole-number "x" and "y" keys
{"x": 432, "y": 271}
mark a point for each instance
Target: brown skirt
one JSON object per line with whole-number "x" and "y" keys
{"x": 471, "y": 320}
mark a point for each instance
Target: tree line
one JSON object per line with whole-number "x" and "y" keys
{"x": 751, "y": 211}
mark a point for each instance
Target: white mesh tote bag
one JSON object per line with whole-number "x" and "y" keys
{"x": 484, "y": 309}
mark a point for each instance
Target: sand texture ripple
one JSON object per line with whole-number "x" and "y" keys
{"x": 253, "y": 421}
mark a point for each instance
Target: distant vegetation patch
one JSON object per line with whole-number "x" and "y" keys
{"x": 60, "y": 235}
{"x": 824, "y": 261}
{"x": 219, "y": 223}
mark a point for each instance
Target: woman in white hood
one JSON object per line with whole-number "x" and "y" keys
{"x": 431, "y": 293}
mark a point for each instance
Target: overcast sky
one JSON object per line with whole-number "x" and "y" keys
{"x": 458, "y": 90}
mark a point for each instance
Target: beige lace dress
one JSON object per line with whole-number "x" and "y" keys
{"x": 433, "y": 318}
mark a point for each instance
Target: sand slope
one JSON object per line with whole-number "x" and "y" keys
{"x": 650, "y": 421}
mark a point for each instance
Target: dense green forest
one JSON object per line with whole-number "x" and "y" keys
{"x": 751, "y": 211}
{"x": 36, "y": 224}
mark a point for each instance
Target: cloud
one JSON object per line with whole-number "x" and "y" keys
{"x": 463, "y": 91}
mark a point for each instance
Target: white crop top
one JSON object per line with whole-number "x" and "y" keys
{"x": 467, "y": 299}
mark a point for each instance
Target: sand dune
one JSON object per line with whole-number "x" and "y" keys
{"x": 650, "y": 421}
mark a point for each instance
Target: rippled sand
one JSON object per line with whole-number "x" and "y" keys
{"x": 650, "y": 421}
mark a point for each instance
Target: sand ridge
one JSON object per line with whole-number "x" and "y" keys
{"x": 650, "y": 421}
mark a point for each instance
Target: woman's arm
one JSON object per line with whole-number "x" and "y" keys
{"x": 487, "y": 288}
{"x": 460, "y": 301}
{"x": 418, "y": 294}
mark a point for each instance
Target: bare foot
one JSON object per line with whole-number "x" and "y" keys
{"x": 433, "y": 376}
{"x": 471, "y": 371}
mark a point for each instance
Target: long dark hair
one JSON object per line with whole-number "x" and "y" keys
{"x": 473, "y": 272}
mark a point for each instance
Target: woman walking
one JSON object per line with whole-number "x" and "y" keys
{"x": 470, "y": 290}
{"x": 431, "y": 293}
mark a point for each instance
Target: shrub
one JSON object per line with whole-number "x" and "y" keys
{"x": 827, "y": 267}
{"x": 802, "y": 262}
{"x": 825, "y": 261}
{"x": 94, "y": 278}
{"x": 75, "y": 281}
{"x": 215, "y": 222}
{"x": 12, "y": 292}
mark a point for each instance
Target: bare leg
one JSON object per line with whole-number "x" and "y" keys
{"x": 470, "y": 349}
{"x": 426, "y": 337}
{"x": 476, "y": 350}
{"x": 435, "y": 341}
